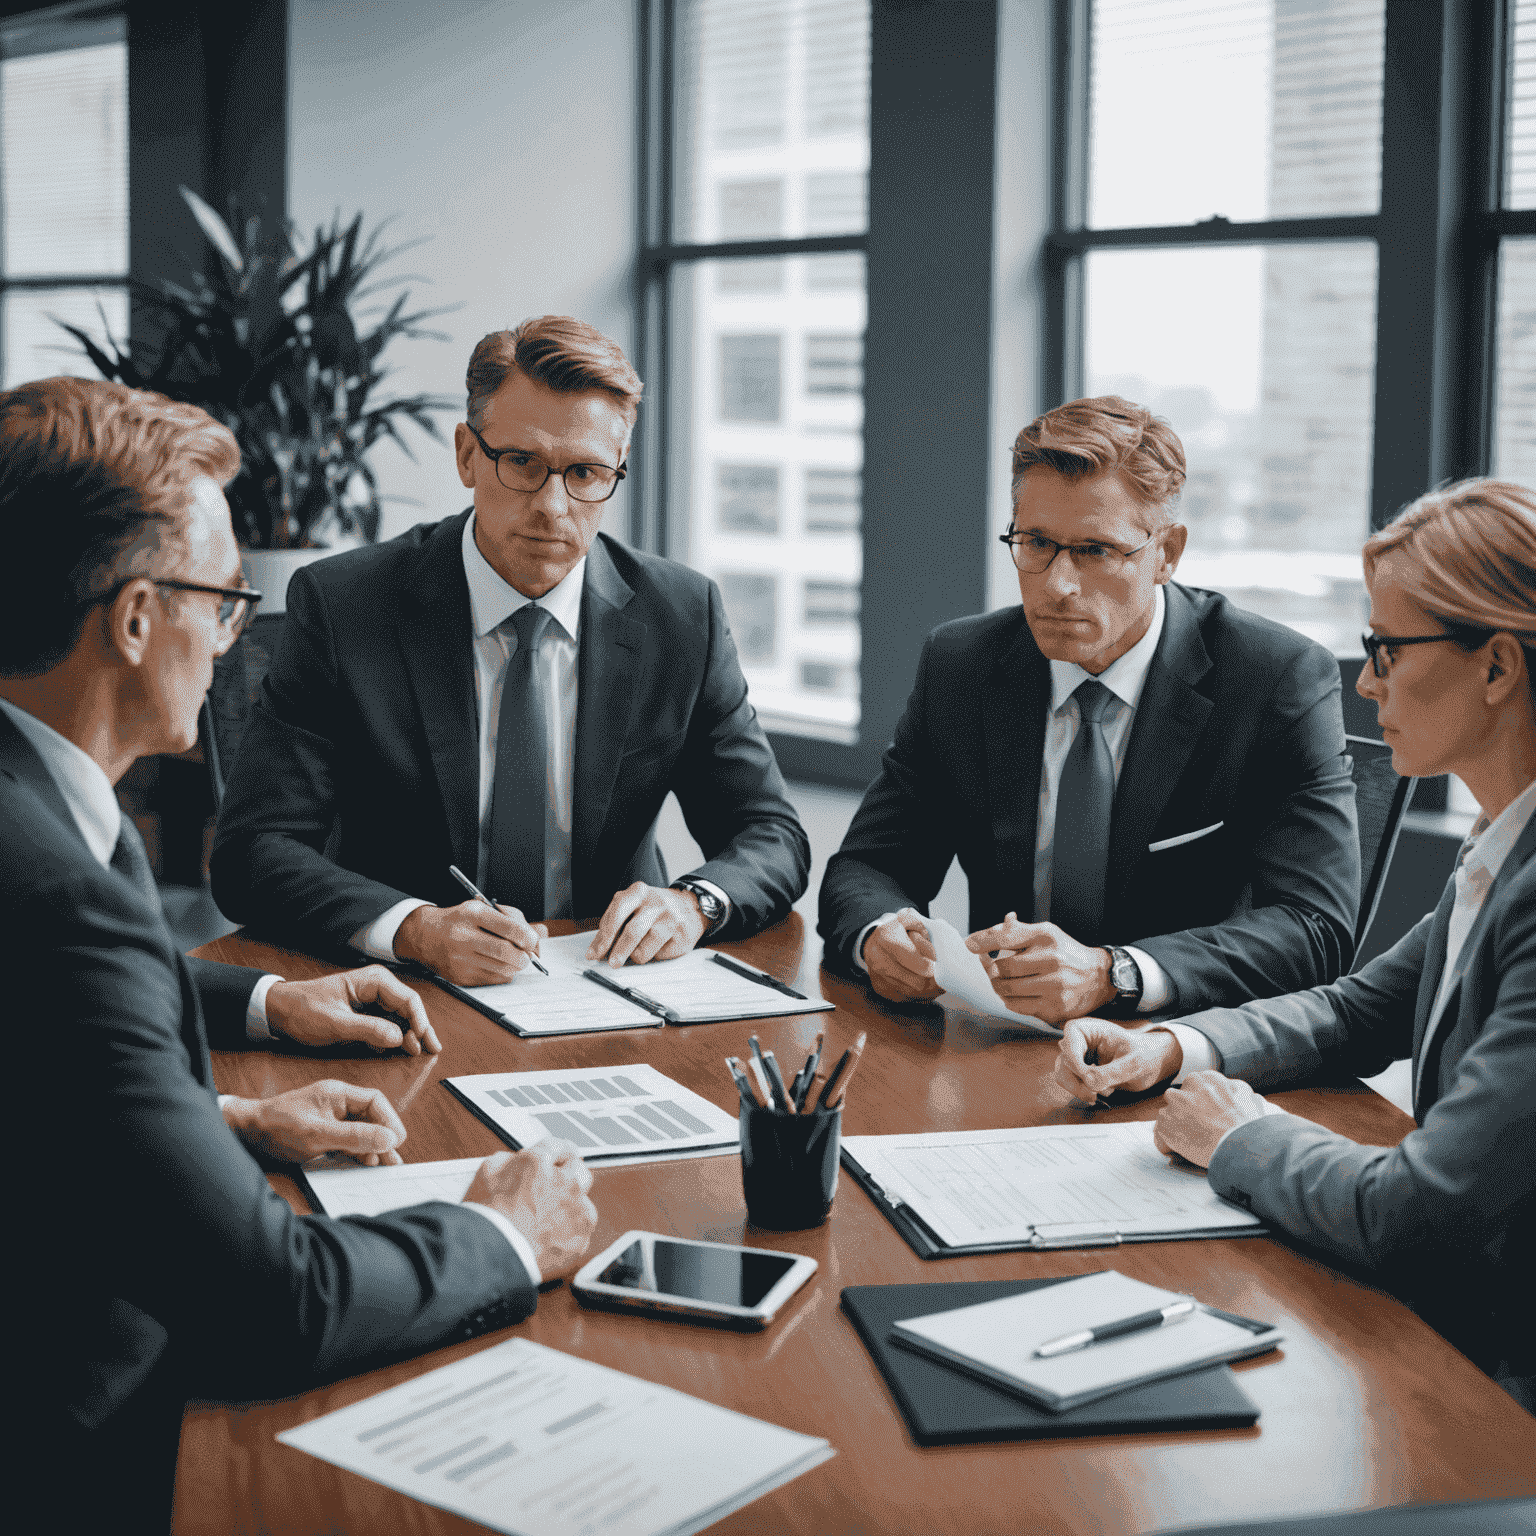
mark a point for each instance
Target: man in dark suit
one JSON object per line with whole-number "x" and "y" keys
{"x": 512, "y": 693}
{"x": 169, "y": 1267}
{"x": 1145, "y": 786}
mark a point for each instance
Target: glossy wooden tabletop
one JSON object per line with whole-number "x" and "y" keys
{"x": 1365, "y": 1407}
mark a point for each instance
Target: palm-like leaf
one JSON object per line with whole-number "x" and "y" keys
{"x": 267, "y": 338}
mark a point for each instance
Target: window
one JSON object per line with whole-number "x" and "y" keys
{"x": 754, "y": 300}
{"x": 831, "y": 602}
{"x": 829, "y": 677}
{"x": 1514, "y": 399}
{"x": 63, "y": 191}
{"x": 748, "y": 497}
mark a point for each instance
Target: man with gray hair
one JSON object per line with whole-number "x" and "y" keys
{"x": 512, "y": 693}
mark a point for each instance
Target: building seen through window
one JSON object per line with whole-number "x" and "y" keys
{"x": 63, "y": 191}
{"x": 772, "y": 143}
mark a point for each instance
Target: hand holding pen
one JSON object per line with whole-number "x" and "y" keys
{"x": 517, "y": 939}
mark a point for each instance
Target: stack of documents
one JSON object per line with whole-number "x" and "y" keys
{"x": 611, "y": 1115}
{"x": 529, "y": 1440}
{"x": 581, "y": 995}
{"x": 997, "y": 1340}
{"x": 1065, "y": 1186}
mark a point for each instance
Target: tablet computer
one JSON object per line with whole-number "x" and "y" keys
{"x": 683, "y": 1277}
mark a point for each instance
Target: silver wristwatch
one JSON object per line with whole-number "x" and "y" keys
{"x": 709, "y": 904}
{"x": 1124, "y": 977}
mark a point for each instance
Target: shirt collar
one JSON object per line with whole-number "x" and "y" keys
{"x": 1124, "y": 677}
{"x": 1489, "y": 842}
{"x": 493, "y": 600}
{"x": 86, "y": 789}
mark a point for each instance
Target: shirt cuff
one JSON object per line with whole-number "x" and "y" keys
{"x": 864, "y": 933}
{"x": 377, "y": 939}
{"x": 520, "y": 1244}
{"x": 225, "y": 1098}
{"x": 1156, "y": 989}
{"x": 714, "y": 890}
{"x": 1199, "y": 1054}
{"x": 257, "y": 1030}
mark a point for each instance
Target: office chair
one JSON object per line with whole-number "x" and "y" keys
{"x": 1381, "y": 799}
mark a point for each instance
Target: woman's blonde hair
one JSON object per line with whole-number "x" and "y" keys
{"x": 1466, "y": 555}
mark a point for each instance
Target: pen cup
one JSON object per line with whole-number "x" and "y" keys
{"x": 789, "y": 1167}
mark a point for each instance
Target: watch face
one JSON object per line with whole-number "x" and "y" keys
{"x": 1124, "y": 973}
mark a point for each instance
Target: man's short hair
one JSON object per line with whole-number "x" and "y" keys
{"x": 86, "y": 469}
{"x": 1105, "y": 434}
{"x": 562, "y": 353}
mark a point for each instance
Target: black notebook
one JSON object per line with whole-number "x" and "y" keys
{"x": 944, "y": 1406}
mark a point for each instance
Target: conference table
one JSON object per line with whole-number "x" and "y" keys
{"x": 1364, "y": 1407}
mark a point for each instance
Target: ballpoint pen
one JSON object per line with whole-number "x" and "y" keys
{"x": 479, "y": 895}
{"x": 743, "y": 1083}
{"x": 1174, "y": 1312}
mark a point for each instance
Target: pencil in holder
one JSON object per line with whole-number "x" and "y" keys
{"x": 789, "y": 1166}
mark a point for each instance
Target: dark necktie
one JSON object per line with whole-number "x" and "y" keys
{"x": 1084, "y": 799}
{"x": 130, "y": 860}
{"x": 515, "y": 864}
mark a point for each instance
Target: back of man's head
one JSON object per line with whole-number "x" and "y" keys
{"x": 560, "y": 352}
{"x": 94, "y": 478}
{"x": 1104, "y": 435}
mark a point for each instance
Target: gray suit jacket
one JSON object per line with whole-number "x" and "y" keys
{"x": 1447, "y": 1218}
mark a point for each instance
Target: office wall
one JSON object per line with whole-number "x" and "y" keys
{"x": 501, "y": 134}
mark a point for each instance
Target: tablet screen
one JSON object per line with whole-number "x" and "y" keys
{"x": 664, "y": 1267}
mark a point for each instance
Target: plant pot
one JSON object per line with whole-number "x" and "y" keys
{"x": 270, "y": 571}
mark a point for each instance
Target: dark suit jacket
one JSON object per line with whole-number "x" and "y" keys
{"x": 1239, "y": 722}
{"x": 163, "y": 1233}
{"x": 357, "y": 778}
{"x": 1448, "y": 1216}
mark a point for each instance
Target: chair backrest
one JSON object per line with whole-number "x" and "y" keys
{"x": 1381, "y": 798}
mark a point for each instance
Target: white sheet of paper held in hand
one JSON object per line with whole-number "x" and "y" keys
{"x": 532, "y": 1441}
{"x": 965, "y": 980}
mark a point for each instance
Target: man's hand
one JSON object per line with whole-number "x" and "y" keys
{"x": 325, "y": 1012}
{"x": 1097, "y": 1056}
{"x": 543, "y": 1193}
{"x": 900, "y": 959}
{"x": 470, "y": 944}
{"x": 323, "y": 1117}
{"x": 1043, "y": 971}
{"x": 1198, "y": 1114}
{"x": 647, "y": 922}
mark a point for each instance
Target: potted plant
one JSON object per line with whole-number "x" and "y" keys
{"x": 267, "y": 338}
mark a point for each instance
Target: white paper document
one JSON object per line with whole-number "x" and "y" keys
{"x": 359, "y": 1191}
{"x": 965, "y": 981}
{"x": 611, "y": 1115}
{"x": 998, "y": 1339}
{"x": 531, "y": 1441}
{"x": 1047, "y": 1185}
{"x": 695, "y": 988}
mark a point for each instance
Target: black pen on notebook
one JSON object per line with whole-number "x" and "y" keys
{"x": 479, "y": 895}
{"x": 1174, "y": 1312}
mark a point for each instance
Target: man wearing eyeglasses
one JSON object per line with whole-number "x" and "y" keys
{"x": 1145, "y": 786}
{"x": 511, "y": 693}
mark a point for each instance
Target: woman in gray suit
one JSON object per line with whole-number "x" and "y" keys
{"x": 1446, "y": 1219}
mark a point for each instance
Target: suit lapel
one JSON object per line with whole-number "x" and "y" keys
{"x": 434, "y": 629}
{"x": 1169, "y": 721}
{"x": 19, "y": 761}
{"x": 608, "y": 679}
{"x": 1014, "y": 729}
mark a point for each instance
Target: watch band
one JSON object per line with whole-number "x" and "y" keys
{"x": 714, "y": 910}
{"x": 1125, "y": 976}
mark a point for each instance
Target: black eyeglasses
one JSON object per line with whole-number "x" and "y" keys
{"x": 1033, "y": 553}
{"x": 1375, "y": 645}
{"x": 519, "y": 470}
{"x": 236, "y": 604}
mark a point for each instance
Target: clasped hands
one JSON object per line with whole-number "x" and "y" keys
{"x": 1036, "y": 968}
{"x": 473, "y": 945}
{"x": 1097, "y": 1056}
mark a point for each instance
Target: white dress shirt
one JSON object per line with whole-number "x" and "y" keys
{"x": 1125, "y": 678}
{"x": 492, "y": 601}
{"x": 1482, "y": 856}
{"x": 93, "y": 803}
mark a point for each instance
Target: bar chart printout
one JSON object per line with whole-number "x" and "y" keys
{"x": 609, "y": 1114}
{"x": 532, "y": 1441}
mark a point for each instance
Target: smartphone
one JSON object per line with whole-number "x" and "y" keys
{"x": 682, "y": 1277}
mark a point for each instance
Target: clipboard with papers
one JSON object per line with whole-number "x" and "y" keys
{"x": 581, "y": 996}
{"x": 1035, "y": 1189}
